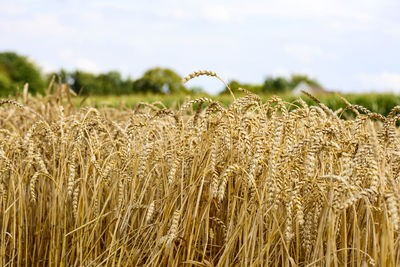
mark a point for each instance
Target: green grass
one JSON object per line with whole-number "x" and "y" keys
{"x": 380, "y": 103}
{"x": 130, "y": 101}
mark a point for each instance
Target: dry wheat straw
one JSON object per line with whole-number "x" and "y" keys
{"x": 261, "y": 182}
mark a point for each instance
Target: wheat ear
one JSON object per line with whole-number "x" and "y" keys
{"x": 207, "y": 73}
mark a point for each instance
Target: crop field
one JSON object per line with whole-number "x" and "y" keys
{"x": 254, "y": 183}
{"x": 378, "y": 103}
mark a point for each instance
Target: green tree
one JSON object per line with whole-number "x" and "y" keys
{"x": 89, "y": 83}
{"x": 85, "y": 83}
{"x": 295, "y": 79}
{"x": 127, "y": 86}
{"x": 159, "y": 80}
{"x": 235, "y": 85}
{"x": 20, "y": 70}
{"x": 197, "y": 90}
{"x": 61, "y": 76}
{"x": 6, "y": 85}
{"x": 112, "y": 83}
{"x": 276, "y": 85}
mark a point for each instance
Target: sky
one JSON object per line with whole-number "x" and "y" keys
{"x": 348, "y": 46}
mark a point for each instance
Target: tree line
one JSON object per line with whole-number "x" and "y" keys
{"x": 16, "y": 70}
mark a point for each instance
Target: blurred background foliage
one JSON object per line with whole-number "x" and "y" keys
{"x": 111, "y": 89}
{"x": 274, "y": 85}
{"x": 16, "y": 70}
{"x": 381, "y": 103}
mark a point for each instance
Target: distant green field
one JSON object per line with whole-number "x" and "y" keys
{"x": 381, "y": 103}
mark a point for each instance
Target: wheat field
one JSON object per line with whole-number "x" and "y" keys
{"x": 257, "y": 183}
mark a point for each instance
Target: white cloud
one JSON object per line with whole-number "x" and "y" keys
{"x": 275, "y": 37}
{"x": 384, "y": 81}
{"x": 286, "y": 72}
{"x": 76, "y": 60}
{"x": 118, "y": 4}
{"x": 12, "y": 9}
{"x": 48, "y": 67}
{"x": 178, "y": 14}
{"x": 66, "y": 53}
{"x": 356, "y": 10}
{"x": 281, "y": 71}
{"x": 303, "y": 52}
{"x": 217, "y": 13}
{"x": 210, "y": 12}
{"x": 86, "y": 64}
{"x": 39, "y": 25}
{"x": 91, "y": 16}
{"x": 392, "y": 30}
